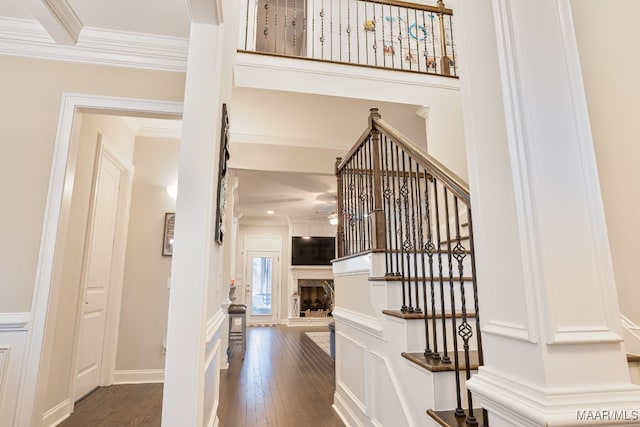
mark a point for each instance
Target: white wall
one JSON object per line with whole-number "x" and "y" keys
{"x": 609, "y": 68}
{"x": 145, "y": 295}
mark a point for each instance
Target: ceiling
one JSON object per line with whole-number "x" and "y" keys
{"x": 137, "y": 16}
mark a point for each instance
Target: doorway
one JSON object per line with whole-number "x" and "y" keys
{"x": 262, "y": 295}
{"x": 55, "y": 310}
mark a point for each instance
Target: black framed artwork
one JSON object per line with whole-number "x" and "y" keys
{"x": 167, "y": 238}
{"x": 222, "y": 177}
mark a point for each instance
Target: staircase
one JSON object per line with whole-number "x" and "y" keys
{"x": 407, "y": 319}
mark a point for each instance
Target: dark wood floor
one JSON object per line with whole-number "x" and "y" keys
{"x": 284, "y": 380}
{"x": 138, "y": 405}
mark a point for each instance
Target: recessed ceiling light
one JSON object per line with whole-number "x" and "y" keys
{"x": 270, "y": 212}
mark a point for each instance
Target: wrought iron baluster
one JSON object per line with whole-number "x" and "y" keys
{"x": 331, "y": 29}
{"x": 370, "y": 193}
{"x": 408, "y": 56}
{"x": 421, "y": 246}
{"x": 322, "y": 31}
{"x": 400, "y": 37}
{"x": 340, "y": 29}
{"x": 430, "y": 248}
{"x": 349, "y": 30}
{"x": 436, "y": 197}
{"x": 387, "y": 194}
{"x": 453, "y": 47}
{"x": 414, "y": 239}
{"x": 361, "y": 199}
{"x": 464, "y": 330}
{"x": 433, "y": 44}
{"x": 398, "y": 233}
{"x": 294, "y": 22}
{"x": 275, "y": 26}
{"x": 459, "y": 410}
{"x": 393, "y": 54}
{"x": 358, "y": 30}
{"x": 419, "y": 32}
{"x": 406, "y": 241}
{"x": 384, "y": 40}
{"x": 375, "y": 40}
{"x": 284, "y": 32}
{"x": 366, "y": 31}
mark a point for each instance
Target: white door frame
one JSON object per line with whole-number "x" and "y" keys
{"x": 262, "y": 243}
{"x": 28, "y": 392}
{"x": 114, "y": 293}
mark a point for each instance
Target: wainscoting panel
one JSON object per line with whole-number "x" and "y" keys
{"x": 350, "y": 359}
{"x": 13, "y": 337}
{"x": 388, "y": 410}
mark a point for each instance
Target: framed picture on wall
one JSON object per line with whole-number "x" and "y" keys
{"x": 167, "y": 239}
{"x": 222, "y": 177}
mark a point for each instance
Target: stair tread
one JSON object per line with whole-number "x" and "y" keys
{"x": 449, "y": 419}
{"x": 401, "y": 315}
{"x": 632, "y": 357}
{"x": 436, "y": 365}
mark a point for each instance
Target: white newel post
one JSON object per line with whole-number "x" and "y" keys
{"x": 185, "y": 363}
{"x": 551, "y": 327}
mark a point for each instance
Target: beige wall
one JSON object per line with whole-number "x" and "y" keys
{"x": 31, "y": 95}
{"x": 609, "y": 66}
{"x": 145, "y": 296}
{"x": 61, "y": 321}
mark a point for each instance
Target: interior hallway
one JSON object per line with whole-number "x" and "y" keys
{"x": 284, "y": 380}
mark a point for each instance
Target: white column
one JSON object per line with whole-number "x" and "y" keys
{"x": 550, "y": 319}
{"x": 184, "y": 370}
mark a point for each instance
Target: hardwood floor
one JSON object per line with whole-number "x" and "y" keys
{"x": 137, "y": 405}
{"x": 284, "y": 380}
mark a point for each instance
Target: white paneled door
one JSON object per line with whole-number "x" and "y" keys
{"x": 98, "y": 268}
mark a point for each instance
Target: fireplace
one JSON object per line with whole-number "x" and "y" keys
{"x": 315, "y": 297}
{"x": 306, "y": 285}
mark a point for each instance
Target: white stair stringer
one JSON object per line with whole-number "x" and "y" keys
{"x": 632, "y": 345}
{"x": 375, "y": 385}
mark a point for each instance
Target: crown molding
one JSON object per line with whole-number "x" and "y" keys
{"x": 27, "y": 38}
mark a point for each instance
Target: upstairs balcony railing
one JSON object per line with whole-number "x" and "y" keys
{"x": 395, "y": 199}
{"x": 376, "y": 33}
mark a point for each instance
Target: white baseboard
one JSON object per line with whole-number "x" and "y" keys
{"x": 57, "y": 414}
{"x": 139, "y": 376}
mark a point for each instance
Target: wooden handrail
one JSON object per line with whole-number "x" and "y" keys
{"x": 456, "y": 184}
{"x": 409, "y": 5}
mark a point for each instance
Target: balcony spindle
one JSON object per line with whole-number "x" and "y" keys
{"x": 414, "y": 239}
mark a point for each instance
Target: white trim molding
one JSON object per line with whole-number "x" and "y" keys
{"x": 58, "y": 413}
{"x": 18, "y": 321}
{"x": 139, "y": 376}
{"x": 363, "y": 322}
{"x": 531, "y": 406}
{"x": 27, "y": 38}
{"x": 214, "y": 324}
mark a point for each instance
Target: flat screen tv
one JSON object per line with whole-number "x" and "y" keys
{"x": 312, "y": 250}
